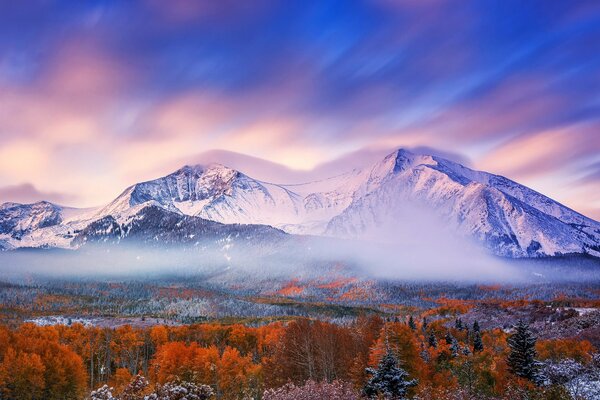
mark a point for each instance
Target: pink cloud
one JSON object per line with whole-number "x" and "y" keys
{"x": 543, "y": 152}
{"x": 516, "y": 106}
{"x": 27, "y": 193}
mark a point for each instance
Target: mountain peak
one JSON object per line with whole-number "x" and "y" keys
{"x": 506, "y": 217}
{"x": 204, "y": 168}
{"x": 403, "y": 159}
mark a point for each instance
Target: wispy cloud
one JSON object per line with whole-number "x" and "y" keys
{"x": 97, "y": 95}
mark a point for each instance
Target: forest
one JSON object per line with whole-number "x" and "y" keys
{"x": 451, "y": 351}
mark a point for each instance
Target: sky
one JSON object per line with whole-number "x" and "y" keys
{"x": 98, "y": 95}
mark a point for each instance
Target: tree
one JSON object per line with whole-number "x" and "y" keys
{"x": 122, "y": 378}
{"x": 458, "y": 324}
{"x": 135, "y": 389}
{"x": 237, "y": 375}
{"x": 103, "y": 393}
{"x": 181, "y": 391}
{"x": 449, "y": 338}
{"x": 476, "y": 326}
{"x": 432, "y": 341}
{"x": 454, "y": 346}
{"x": 22, "y": 375}
{"x": 388, "y": 380}
{"x": 336, "y": 390}
{"x": 522, "y": 358}
{"x": 411, "y": 323}
{"x": 477, "y": 342}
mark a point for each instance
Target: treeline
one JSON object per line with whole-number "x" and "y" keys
{"x": 189, "y": 302}
{"x": 441, "y": 359}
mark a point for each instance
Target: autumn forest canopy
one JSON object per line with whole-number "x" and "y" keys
{"x": 451, "y": 349}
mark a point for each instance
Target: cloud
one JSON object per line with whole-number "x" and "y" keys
{"x": 27, "y": 193}
{"x": 98, "y": 96}
{"x": 543, "y": 152}
{"x": 591, "y": 173}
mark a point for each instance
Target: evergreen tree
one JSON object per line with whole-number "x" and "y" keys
{"x": 466, "y": 351}
{"x": 477, "y": 342}
{"x": 454, "y": 347}
{"x": 411, "y": 323}
{"x": 475, "y": 326}
{"x": 424, "y": 324}
{"x": 388, "y": 380}
{"x": 432, "y": 341}
{"x": 522, "y": 358}
{"x": 458, "y": 324}
{"x": 453, "y": 343}
{"x": 424, "y": 353}
{"x": 181, "y": 391}
{"x": 103, "y": 393}
{"x": 135, "y": 388}
{"x": 449, "y": 338}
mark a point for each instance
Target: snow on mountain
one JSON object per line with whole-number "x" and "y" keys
{"x": 155, "y": 226}
{"x": 506, "y": 217}
{"x": 40, "y": 224}
{"x": 221, "y": 194}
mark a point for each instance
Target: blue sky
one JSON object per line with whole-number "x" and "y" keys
{"x": 126, "y": 90}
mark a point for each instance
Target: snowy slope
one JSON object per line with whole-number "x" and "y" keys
{"x": 221, "y": 194}
{"x": 506, "y": 217}
{"x": 41, "y": 224}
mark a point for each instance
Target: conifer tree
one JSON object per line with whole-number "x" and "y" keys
{"x": 466, "y": 351}
{"x": 454, "y": 347}
{"x": 477, "y": 342}
{"x": 453, "y": 343}
{"x": 389, "y": 380}
{"x": 448, "y": 338}
{"x": 103, "y": 393}
{"x": 458, "y": 324}
{"x": 411, "y": 323}
{"x": 424, "y": 353}
{"x": 522, "y": 358}
{"x": 476, "y": 326}
{"x": 432, "y": 341}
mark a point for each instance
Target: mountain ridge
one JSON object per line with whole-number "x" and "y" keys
{"x": 506, "y": 217}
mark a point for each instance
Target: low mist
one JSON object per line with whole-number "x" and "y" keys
{"x": 409, "y": 244}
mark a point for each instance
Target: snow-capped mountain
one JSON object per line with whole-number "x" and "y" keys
{"x": 506, "y": 217}
{"x": 218, "y": 193}
{"x": 155, "y": 226}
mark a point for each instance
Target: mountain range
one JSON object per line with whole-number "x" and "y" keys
{"x": 215, "y": 202}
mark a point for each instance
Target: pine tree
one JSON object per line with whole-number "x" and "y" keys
{"x": 475, "y": 326}
{"x": 477, "y": 342}
{"x": 458, "y": 324}
{"x": 466, "y": 351}
{"x": 454, "y": 347}
{"x": 103, "y": 393}
{"x": 522, "y": 358}
{"x": 424, "y": 353}
{"x": 432, "y": 341}
{"x": 181, "y": 391}
{"x": 388, "y": 380}
{"x": 133, "y": 391}
{"x": 411, "y": 323}
{"x": 453, "y": 343}
{"x": 449, "y": 338}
